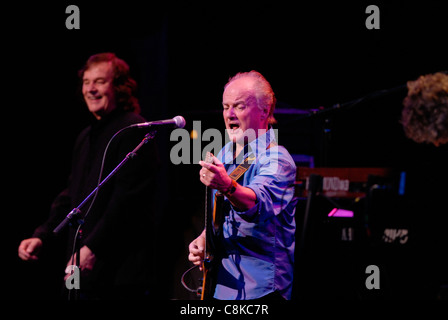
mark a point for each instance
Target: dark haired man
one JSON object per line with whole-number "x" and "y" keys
{"x": 115, "y": 251}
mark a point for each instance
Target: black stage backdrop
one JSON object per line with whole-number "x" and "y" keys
{"x": 314, "y": 55}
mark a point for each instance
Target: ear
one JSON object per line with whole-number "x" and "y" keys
{"x": 264, "y": 113}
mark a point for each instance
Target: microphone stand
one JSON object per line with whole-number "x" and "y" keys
{"x": 74, "y": 218}
{"x": 327, "y": 112}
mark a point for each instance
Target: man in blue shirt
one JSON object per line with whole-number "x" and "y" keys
{"x": 258, "y": 229}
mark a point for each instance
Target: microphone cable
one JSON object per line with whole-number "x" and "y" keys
{"x": 94, "y": 196}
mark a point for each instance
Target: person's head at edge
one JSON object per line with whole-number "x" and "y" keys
{"x": 425, "y": 113}
{"x": 107, "y": 85}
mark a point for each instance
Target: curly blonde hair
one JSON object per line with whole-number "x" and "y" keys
{"x": 425, "y": 113}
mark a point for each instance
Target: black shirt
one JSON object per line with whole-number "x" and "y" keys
{"x": 118, "y": 227}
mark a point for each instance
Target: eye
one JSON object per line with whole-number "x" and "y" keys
{"x": 240, "y": 106}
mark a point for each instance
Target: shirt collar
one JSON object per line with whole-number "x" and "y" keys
{"x": 258, "y": 145}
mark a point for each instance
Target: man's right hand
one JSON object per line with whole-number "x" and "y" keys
{"x": 196, "y": 249}
{"x": 29, "y": 249}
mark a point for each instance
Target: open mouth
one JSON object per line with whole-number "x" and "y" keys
{"x": 234, "y": 126}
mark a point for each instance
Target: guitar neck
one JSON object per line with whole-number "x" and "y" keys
{"x": 208, "y": 212}
{"x": 207, "y": 286}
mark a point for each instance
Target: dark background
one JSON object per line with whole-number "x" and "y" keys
{"x": 181, "y": 55}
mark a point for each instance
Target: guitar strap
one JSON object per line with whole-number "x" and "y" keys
{"x": 242, "y": 168}
{"x": 234, "y": 175}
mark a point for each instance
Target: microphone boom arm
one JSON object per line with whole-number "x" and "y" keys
{"x": 74, "y": 214}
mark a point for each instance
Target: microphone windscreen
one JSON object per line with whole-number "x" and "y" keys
{"x": 180, "y": 121}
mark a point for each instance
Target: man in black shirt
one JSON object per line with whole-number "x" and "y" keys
{"x": 114, "y": 246}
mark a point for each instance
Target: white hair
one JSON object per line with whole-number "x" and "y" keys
{"x": 263, "y": 91}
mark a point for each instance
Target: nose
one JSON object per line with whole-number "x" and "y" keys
{"x": 229, "y": 113}
{"x": 90, "y": 87}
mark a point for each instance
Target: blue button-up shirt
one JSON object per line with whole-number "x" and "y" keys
{"x": 258, "y": 244}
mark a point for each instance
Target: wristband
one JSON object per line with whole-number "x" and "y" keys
{"x": 231, "y": 189}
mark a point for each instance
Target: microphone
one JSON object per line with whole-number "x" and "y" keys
{"x": 177, "y": 122}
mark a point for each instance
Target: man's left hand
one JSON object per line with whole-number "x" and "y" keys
{"x": 86, "y": 261}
